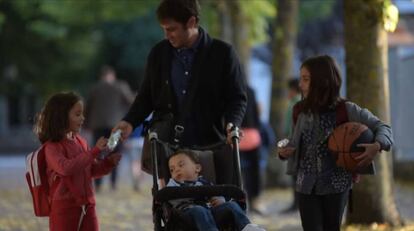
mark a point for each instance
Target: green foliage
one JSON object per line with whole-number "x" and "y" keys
{"x": 390, "y": 17}
{"x": 257, "y": 13}
{"x": 209, "y": 17}
{"x": 310, "y": 10}
{"x": 53, "y": 44}
{"x": 60, "y": 44}
{"x": 89, "y": 12}
{"x": 125, "y": 46}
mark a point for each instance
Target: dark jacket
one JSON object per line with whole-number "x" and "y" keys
{"x": 217, "y": 90}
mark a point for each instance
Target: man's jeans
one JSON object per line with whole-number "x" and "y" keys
{"x": 206, "y": 219}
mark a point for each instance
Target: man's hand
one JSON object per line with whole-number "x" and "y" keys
{"x": 125, "y": 127}
{"x": 371, "y": 150}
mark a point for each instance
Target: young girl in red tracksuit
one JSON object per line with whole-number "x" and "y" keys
{"x": 71, "y": 165}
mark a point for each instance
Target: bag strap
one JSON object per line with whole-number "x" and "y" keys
{"x": 297, "y": 109}
{"x": 82, "y": 142}
{"x": 341, "y": 113}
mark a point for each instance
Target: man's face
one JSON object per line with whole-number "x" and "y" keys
{"x": 177, "y": 34}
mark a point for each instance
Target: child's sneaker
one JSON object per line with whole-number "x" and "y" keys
{"x": 252, "y": 227}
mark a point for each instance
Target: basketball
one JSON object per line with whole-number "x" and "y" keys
{"x": 343, "y": 143}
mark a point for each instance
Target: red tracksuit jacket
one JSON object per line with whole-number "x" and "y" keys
{"x": 70, "y": 169}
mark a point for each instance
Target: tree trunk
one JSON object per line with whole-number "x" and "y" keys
{"x": 234, "y": 29}
{"x": 367, "y": 85}
{"x": 225, "y": 24}
{"x": 240, "y": 38}
{"x": 283, "y": 52}
{"x": 284, "y": 44}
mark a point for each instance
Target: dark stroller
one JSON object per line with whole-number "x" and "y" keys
{"x": 213, "y": 159}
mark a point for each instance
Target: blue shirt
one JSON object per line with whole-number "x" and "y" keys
{"x": 181, "y": 65}
{"x": 181, "y": 73}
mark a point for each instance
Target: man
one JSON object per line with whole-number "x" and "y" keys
{"x": 107, "y": 102}
{"x": 189, "y": 62}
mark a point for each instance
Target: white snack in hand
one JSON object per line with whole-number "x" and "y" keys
{"x": 282, "y": 143}
{"x": 114, "y": 139}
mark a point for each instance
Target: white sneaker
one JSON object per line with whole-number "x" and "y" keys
{"x": 252, "y": 227}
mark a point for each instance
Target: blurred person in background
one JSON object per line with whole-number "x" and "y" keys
{"x": 132, "y": 149}
{"x": 107, "y": 102}
{"x": 250, "y": 152}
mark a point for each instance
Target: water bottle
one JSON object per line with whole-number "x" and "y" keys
{"x": 282, "y": 143}
{"x": 114, "y": 139}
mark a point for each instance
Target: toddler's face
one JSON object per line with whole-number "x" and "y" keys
{"x": 182, "y": 168}
{"x": 76, "y": 117}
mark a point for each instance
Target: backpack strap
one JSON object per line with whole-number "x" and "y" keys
{"x": 341, "y": 113}
{"x": 82, "y": 142}
{"x": 297, "y": 109}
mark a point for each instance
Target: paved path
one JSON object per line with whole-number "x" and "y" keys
{"x": 127, "y": 210}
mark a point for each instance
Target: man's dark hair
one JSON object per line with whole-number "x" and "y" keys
{"x": 293, "y": 84}
{"x": 190, "y": 153}
{"x": 178, "y": 10}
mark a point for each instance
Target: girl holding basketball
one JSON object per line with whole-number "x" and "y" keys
{"x": 322, "y": 186}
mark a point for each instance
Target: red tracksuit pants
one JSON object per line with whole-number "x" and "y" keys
{"x": 67, "y": 219}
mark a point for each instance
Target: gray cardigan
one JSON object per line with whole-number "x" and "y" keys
{"x": 382, "y": 131}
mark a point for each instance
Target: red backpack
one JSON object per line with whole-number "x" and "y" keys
{"x": 38, "y": 183}
{"x": 37, "y": 180}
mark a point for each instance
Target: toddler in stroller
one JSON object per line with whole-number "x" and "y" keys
{"x": 218, "y": 163}
{"x": 205, "y": 213}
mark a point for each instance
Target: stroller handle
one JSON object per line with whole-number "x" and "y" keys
{"x": 235, "y": 137}
{"x": 153, "y": 136}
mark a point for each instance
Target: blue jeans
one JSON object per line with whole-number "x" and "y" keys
{"x": 206, "y": 219}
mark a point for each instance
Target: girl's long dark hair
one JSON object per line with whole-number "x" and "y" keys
{"x": 325, "y": 84}
{"x": 53, "y": 121}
